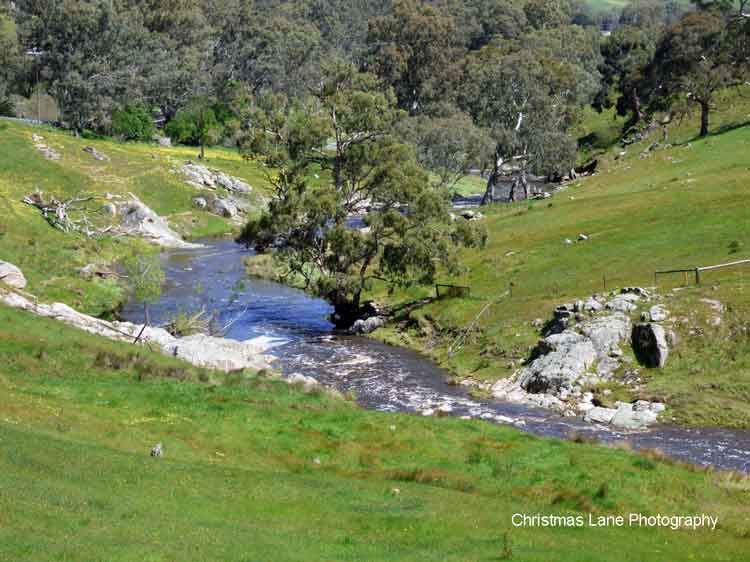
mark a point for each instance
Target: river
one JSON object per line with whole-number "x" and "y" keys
{"x": 383, "y": 377}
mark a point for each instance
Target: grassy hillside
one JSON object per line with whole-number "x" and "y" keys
{"x": 681, "y": 205}
{"x": 256, "y": 470}
{"x": 50, "y": 258}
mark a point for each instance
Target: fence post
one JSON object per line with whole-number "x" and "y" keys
{"x": 697, "y": 276}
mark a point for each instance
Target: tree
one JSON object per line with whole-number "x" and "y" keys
{"x": 11, "y": 63}
{"x": 133, "y": 122}
{"x": 196, "y": 123}
{"x": 408, "y": 233}
{"x": 448, "y": 146}
{"x": 626, "y": 53}
{"x": 145, "y": 278}
{"x": 527, "y": 103}
{"x": 413, "y": 49}
{"x": 695, "y": 59}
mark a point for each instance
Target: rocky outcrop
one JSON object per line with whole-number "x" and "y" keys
{"x": 11, "y": 276}
{"x": 649, "y": 343}
{"x": 200, "y": 350}
{"x": 202, "y": 177}
{"x": 48, "y": 152}
{"x": 140, "y": 220}
{"x": 581, "y": 346}
{"x": 101, "y": 157}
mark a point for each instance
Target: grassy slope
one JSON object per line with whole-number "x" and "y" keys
{"x": 239, "y": 481}
{"x": 679, "y": 207}
{"x": 49, "y": 258}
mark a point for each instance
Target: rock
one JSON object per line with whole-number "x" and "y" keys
{"x": 37, "y": 138}
{"x": 714, "y": 305}
{"x": 96, "y": 154}
{"x": 537, "y": 323}
{"x": 657, "y": 313}
{"x": 232, "y": 184}
{"x": 600, "y": 415}
{"x": 203, "y": 177}
{"x": 307, "y": 383}
{"x": 48, "y": 152}
{"x": 649, "y": 343}
{"x": 11, "y": 275}
{"x": 223, "y": 207}
{"x": 472, "y": 215}
{"x": 165, "y": 142}
{"x": 109, "y": 209}
{"x": 592, "y": 305}
{"x": 156, "y": 450}
{"x": 368, "y": 325}
{"x": 640, "y": 291}
{"x": 567, "y": 242}
{"x": 628, "y": 417}
{"x": 582, "y": 237}
{"x": 606, "y": 333}
{"x": 140, "y": 220}
{"x": 200, "y": 350}
{"x": 563, "y": 359}
{"x": 200, "y": 202}
{"x": 623, "y": 303}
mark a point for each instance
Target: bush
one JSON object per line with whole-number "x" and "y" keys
{"x": 133, "y": 122}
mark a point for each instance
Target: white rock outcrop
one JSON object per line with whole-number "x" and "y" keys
{"x": 11, "y": 275}
{"x": 140, "y": 220}
{"x": 200, "y": 350}
{"x": 202, "y": 177}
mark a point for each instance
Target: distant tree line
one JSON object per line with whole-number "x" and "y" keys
{"x": 394, "y": 100}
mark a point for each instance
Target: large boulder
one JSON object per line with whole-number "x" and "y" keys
{"x": 650, "y": 346}
{"x": 633, "y": 416}
{"x": 140, "y": 220}
{"x": 606, "y": 332}
{"x": 11, "y": 275}
{"x": 562, "y": 360}
{"x": 223, "y": 207}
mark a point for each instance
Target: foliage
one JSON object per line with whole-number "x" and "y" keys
{"x": 413, "y": 49}
{"x": 134, "y": 123}
{"x": 144, "y": 277}
{"x": 196, "y": 124}
{"x": 372, "y": 174}
{"x": 449, "y": 146}
{"x": 694, "y": 60}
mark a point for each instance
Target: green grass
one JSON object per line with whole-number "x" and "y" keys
{"x": 50, "y": 258}
{"x": 680, "y": 206}
{"x": 240, "y": 479}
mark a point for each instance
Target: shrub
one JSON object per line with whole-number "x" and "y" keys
{"x": 133, "y": 122}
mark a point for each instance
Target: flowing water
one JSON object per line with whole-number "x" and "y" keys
{"x": 383, "y": 377}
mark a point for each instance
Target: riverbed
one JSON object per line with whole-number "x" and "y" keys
{"x": 294, "y": 326}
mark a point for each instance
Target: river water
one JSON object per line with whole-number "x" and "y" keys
{"x": 383, "y": 377}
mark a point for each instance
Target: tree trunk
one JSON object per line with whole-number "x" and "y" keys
{"x": 705, "y": 109}
{"x": 489, "y": 194}
{"x": 203, "y": 151}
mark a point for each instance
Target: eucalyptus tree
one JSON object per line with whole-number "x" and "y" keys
{"x": 367, "y": 171}
{"x": 527, "y": 102}
{"x": 693, "y": 61}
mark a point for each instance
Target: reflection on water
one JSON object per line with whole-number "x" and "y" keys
{"x": 383, "y": 377}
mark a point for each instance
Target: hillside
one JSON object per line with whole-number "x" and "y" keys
{"x": 255, "y": 470}
{"x": 50, "y": 258}
{"x": 683, "y": 204}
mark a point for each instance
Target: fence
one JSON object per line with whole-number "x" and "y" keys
{"x": 452, "y": 291}
{"x": 698, "y": 270}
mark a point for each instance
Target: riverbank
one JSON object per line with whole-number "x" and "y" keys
{"x": 77, "y": 269}
{"x": 649, "y": 208}
{"x": 250, "y": 455}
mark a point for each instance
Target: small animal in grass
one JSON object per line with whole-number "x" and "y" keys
{"x": 157, "y": 450}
